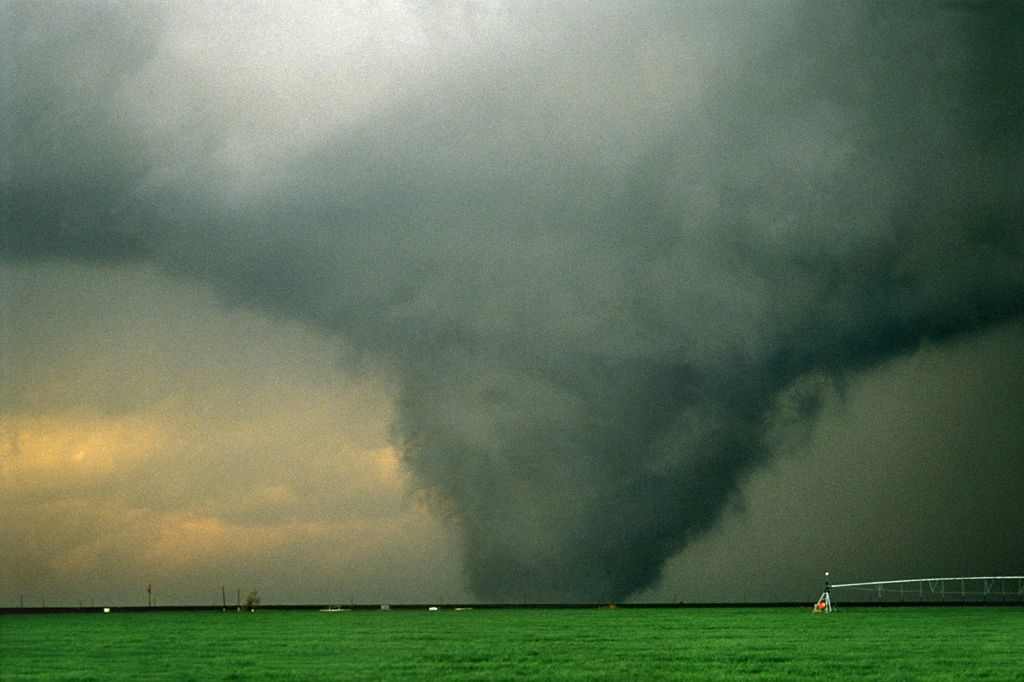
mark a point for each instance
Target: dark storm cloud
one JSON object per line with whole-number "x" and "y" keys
{"x": 593, "y": 250}
{"x": 65, "y": 166}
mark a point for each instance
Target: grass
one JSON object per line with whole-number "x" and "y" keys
{"x": 907, "y": 643}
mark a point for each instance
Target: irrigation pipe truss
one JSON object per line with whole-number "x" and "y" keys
{"x": 992, "y": 578}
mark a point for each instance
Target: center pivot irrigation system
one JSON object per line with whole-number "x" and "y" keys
{"x": 1004, "y": 588}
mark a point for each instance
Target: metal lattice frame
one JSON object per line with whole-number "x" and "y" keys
{"x": 982, "y": 588}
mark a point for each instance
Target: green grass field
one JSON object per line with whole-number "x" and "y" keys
{"x": 930, "y": 643}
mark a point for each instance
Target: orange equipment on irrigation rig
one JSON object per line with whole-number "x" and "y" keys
{"x": 824, "y": 603}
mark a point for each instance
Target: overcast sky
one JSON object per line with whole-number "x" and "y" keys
{"x": 416, "y": 302}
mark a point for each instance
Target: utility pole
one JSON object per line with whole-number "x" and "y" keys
{"x": 149, "y": 595}
{"x": 223, "y": 598}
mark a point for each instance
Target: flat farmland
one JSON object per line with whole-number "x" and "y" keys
{"x": 880, "y": 643}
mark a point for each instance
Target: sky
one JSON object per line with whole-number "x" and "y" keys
{"x": 508, "y": 302}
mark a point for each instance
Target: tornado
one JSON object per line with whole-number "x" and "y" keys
{"x": 602, "y": 254}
